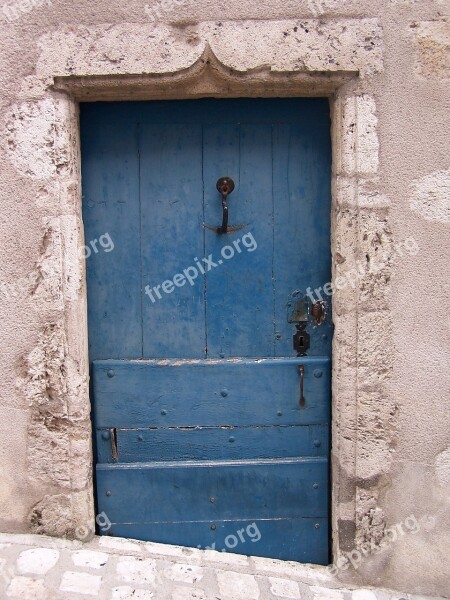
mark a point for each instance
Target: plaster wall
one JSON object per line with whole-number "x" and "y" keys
{"x": 385, "y": 66}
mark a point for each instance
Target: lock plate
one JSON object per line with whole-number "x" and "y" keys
{"x": 298, "y": 310}
{"x": 303, "y": 313}
{"x": 301, "y": 340}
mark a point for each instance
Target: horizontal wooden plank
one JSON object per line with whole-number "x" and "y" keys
{"x": 152, "y": 393}
{"x": 313, "y": 113}
{"x": 195, "y": 491}
{"x": 214, "y": 443}
{"x": 302, "y": 540}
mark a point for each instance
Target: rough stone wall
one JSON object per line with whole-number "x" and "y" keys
{"x": 386, "y": 66}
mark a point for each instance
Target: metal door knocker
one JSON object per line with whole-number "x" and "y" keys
{"x": 225, "y": 185}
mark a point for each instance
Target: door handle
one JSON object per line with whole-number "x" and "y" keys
{"x": 301, "y": 371}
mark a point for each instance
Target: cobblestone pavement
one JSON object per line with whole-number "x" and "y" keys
{"x": 42, "y": 568}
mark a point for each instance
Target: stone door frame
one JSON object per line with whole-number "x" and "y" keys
{"x": 303, "y": 57}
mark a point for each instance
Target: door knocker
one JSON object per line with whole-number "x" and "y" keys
{"x": 225, "y": 185}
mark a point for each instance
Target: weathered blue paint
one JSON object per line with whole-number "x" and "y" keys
{"x": 213, "y": 393}
{"x": 199, "y": 389}
{"x": 251, "y": 489}
{"x": 282, "y": 538}
{"x": 227, "y": 442}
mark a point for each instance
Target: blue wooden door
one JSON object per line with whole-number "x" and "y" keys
{"x": 212, "y": 429}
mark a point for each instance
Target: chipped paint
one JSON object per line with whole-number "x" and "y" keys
{"x": 442, "y": 467}
{"x": 430, "y": 197}
{"x": 433, "y": 47}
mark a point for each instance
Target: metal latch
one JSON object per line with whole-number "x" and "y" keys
{"x": 300, "y": 313}
{"x": 114, "y": 452}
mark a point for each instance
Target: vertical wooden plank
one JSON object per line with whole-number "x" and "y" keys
{"x": 302, "y": 256}
{"x": 110, "y": 171}
{"x": 172, "y": 234}
{"x": 239, "y": 289}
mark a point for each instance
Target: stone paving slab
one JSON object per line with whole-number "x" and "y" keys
{"x": 36, "y": 567}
